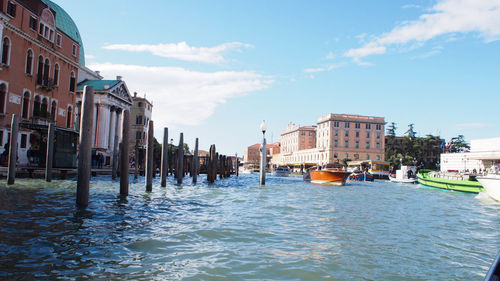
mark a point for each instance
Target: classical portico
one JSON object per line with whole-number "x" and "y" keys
{"x": 111, "y": 99}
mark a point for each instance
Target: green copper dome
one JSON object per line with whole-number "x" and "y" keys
{"x": 66, "y": 24}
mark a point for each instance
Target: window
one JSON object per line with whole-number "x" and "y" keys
{"x": 72, "y": 81}
{"x": 29, "y": 61}
{"x": 5, "y": 50}
{"x": 24, "y": 139}
{"x": 11, "y": 9}
{"x": 336, "y": 133}
{"x": 139, "y": 104}
{"x": 378, "y": 144}
{"x": 138, "y": 120}
{"x": 367, "y": 156}
{"x": 367, "y": 144}
{"x": 39, "y": 74}
{"x": 44, "y": 107}
{"x": 368, "y": 126}
{"x": 33, "y": 23}
{"x": 26, "y": 102}
{"x": 346, "y": 133}
{"x": 73, "y": 51}
{"x": 335, "y": 155}
{"x": 378, "y": 157}
{"x": 3, "y": 96}
{"x": 357, "y": 144}
{"x": 1, "y": 137}
{"x": 335, "y": 143}
{"x": 46, "y": 69}
{"x": 336, "y": 124}
{"x": 347, "y": 124}
{"x": 138, "y": 135}
{"x": 357, "y": 134}
{"x": 53, "y": 110}
{"x": 379, "y": 127}
{"x": 36, "y": 106}
{"x": 58, "y": 39}
{"x": 357, "y": 125}
{"x": 378, "y": 135}
{"x": 68, "y": 116}
{"x": 356, "y": 156}
{"x": 367, "y": 134}
{"x": 56, "y": 74}
{"x": 346, "y": 144}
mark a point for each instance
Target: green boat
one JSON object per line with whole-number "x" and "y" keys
{"x": 450, "y": 181}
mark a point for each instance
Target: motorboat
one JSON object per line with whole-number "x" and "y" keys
{"x": 332, "y": 176}
{"x": 407, "y": 174}
{"x": 361, "y": 176}
{"x": 491, "y": 183}
{"x": 451, "y": 181}
{"x": 281, "y": 171}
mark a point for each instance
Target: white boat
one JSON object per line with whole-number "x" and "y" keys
{"x": 281, "y": 171}
{"x": 491, "y": 184}
{"x": 407, "y": 174}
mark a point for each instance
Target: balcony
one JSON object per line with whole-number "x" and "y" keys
{"x": 45, "y": 83}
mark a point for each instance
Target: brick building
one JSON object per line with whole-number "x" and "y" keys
{"x": 41, "y": 54}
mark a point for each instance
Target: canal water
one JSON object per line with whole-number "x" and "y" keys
{"x": 236, "y": 230}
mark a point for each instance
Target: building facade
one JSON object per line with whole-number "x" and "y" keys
{"x": 252, "y": 153}
{"x": 41, "y": 51}
{"x": 338, "y": 137}
{"x": 140, "y": 114}
{"x": 111, "y": 98}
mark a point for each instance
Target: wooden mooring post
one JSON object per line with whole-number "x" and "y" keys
{"x": 14, "y": 131}
{"x": 50, "y": 152}
{"x": 164, "y": 158}
{"x": 84, "y": 151}
{"x": 124, "y": 166}
{"x": 180, "y": 160}
{"x": 149, "y": 156}
{"x": 196, "y": 162}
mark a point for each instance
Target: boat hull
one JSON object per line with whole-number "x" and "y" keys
{"x": 334, "y": 177}
{"x": 492, "y": 186}
{"x": 402, "y": 180}
{"x": 449, "y": 184}
{"x": 361, "y": 177}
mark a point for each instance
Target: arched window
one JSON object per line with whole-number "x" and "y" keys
{"x": 46, "y": 69}
{"x": 3, "y": 95}
{"x": 72, "y": 81}
{"x": 36, "y": 106}
{"x": 56, "y": 74}
{"x": 26, "y": 104}
{"x": 39, "y": 74}
{"x": 5, "y": 50}
{"x": 53, "y": 110}
{"x": 68, "y": 117}
{"x": 29, "y": 61}
{"x": 44, "y": 107}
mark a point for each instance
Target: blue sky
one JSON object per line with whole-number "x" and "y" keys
{"x": 216, "y": 69}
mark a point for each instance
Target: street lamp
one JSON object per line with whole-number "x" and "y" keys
{"x": 262, "y": 170}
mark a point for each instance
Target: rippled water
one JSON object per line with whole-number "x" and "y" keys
{"x": 236, "y": 230}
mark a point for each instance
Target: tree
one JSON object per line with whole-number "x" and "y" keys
{"x": 411, "y": 132}
{"x": 391, "y": 130}
{"x": 458, "y": 144}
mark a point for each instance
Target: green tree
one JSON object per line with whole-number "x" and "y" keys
{"x": 459, "y": 144}
{"x": 411, "y": 132}
{"x": 391, "y": 130}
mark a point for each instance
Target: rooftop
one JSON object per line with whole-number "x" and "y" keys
{"x": 99, "y": 85}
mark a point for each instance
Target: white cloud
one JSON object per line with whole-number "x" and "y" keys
{"x": 330, "y": 56}
{"x": 447, "y": 17}
{"x": 314, "y": 70}
{"x": 471, "y": 125}
{"x": 182, "y": 51}
{"x": 408, "y": 6}
{"x": 89, "y": 57}
{"x": 181, "y": 96}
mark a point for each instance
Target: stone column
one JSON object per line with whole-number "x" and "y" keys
{"x": 103, "y": 126}
{"x": 112, "y": 124}
{"x": 94, "y": 125}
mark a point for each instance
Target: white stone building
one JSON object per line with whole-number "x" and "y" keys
{"x": 483, "y": 154}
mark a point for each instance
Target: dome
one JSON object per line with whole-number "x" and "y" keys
{"x": 66, "y": 24}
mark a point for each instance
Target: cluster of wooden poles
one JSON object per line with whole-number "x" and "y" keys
{"x": 213, "y": 164}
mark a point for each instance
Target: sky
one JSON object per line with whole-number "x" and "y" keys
{"x": 216, "y": 69}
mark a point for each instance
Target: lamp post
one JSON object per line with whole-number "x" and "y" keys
{"x": 262, "y": 175}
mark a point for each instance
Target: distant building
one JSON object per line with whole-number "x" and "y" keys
{"x": 140, "y": 114}
{"x": 252, "y": 153}
{"x": 338, "y": 137}
{"x": 111, "y": 98}
{"x": 483, "y": 154}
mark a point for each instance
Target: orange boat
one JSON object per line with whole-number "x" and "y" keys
{"x": 327, "y": 176}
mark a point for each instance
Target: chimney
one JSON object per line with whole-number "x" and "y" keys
{"x": 119, "y": 78}
{"x": 98, "y": 73}
{"x": 135, "y": 94}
